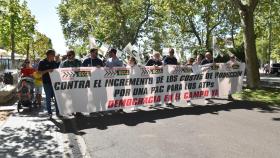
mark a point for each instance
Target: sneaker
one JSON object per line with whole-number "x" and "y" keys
{"x": 189, "y": 103}
{"x": 154, "y": 106}
{"x": 208, "y": 101}
{"x": 120, "y": 111}
{"x": 134, "y": 108}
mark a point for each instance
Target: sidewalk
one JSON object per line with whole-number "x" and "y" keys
{"x": 32, "y": 134}
{"x": 267, "y": 81}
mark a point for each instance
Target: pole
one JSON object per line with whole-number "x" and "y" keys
{"x": 270, "y": 31}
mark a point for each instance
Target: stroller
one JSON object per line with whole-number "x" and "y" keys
{"x": 25, "y": 93}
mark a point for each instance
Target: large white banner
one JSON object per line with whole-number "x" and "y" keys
{"x": 88, "y": 89}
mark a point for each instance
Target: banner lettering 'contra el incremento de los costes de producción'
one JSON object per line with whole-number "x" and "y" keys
{"x": 88, "y": 89}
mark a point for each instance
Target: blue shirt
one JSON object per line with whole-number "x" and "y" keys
{"x": 114, "y": 62}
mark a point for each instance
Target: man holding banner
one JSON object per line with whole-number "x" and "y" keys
{"x": 155, "y": 61}
{"x": 113, "y": 61}
{"x": 71, "y": 61}
{"x": 45, "y": 67}
{"x": 208, "y": 60}
{"x": 93, "y": 60}
{"x": 171, "y": 59}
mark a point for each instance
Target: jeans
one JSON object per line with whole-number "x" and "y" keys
{"x": 49, "y": 94}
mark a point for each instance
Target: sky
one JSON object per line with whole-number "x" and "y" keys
{"x": 47, "y": 17}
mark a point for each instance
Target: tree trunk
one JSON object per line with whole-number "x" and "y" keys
{"x": 27, "y": 51}
{"x": 270, "y": 33}
{"x": 195, "y": 32}
{"x": 207, "y": 41}
{"x": 252, "y": 65}
{"x": 13, "y": 45}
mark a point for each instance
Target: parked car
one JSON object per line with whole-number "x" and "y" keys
{"x": 275, "y": 68}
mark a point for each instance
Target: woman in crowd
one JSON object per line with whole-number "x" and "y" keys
{"x": 132, "y": 62}
{"x": 27, "y": 70}
{"x": 198, "y": 59}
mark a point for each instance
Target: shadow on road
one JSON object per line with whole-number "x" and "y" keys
{"x": 73, "y": 125}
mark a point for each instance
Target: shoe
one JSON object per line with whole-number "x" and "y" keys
{"x": 170, "y": 105}
{"x": 120, "y": 111}
{"x": 230, "y": 98}
{"x": 50, "y": 116}
{"x": 208, "y": 101}
{"x": 189, "y": 103}
{"x": 78, "y": 114}
{"x": 58, "y": 115}
{"x": 157, "y": 105}
{"x": 134, "y": 109}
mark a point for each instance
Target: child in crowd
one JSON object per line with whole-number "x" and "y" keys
{"x": 24, "y": 91}
{"x": 38, "y": 84}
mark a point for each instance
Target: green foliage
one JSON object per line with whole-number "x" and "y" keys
{"x": 266, "y": 25}
{"x": 238, "y": 51}
{"x": 266, "y": 95}
{"x": 39, "y": 45}
{"x": 18, "y": 26}
{"x": 154, "y": 24}
{"x": 116, "y": 22}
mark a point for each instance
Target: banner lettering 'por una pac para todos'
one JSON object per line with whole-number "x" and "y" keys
{"x": 88, "y": 89}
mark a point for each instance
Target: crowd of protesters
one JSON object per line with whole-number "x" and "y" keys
{"x": 40, "y": 69}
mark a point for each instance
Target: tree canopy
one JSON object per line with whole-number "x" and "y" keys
{"x": 184, "y": 24}
{"x": 17, "y": 29}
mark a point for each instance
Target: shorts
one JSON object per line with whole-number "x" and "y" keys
{"x": 38, "y": 89}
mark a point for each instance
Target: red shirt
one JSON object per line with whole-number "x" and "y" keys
{"x": 27, "y": 72}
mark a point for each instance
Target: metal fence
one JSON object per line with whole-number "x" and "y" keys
{"x": 7, "y": 63}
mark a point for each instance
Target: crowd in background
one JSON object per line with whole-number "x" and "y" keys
{"x": 40, "y": 69}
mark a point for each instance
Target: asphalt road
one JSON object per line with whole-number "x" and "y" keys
{"x": 236, "y": 129}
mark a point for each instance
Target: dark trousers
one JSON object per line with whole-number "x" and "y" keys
{"x": 49, "y": 94}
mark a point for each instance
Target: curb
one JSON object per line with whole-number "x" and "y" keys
{"x": 3, "y": 122}
{"x": 80, "y": 150}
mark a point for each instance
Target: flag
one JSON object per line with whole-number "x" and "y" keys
{"x": 129, "y": 50}
{"x": 216, "y": 49}
{"x": 92, "y": 42}
{"x": 98, "y": 44}
{"x": 228, "y": 43}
